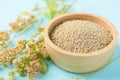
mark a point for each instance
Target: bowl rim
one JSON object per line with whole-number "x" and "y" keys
{"x": 65, "y": 52}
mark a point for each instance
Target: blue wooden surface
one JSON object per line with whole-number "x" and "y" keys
{"x": 110, "y": 9}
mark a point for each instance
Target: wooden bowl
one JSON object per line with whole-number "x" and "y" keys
{"x": 79, "y": 62}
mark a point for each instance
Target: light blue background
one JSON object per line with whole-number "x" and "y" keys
{"x": 110, "y": 9}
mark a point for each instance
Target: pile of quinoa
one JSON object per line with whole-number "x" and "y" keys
{"x": 80, "y": 36}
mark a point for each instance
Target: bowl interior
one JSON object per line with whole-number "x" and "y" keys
{"x": 83, "y": 16}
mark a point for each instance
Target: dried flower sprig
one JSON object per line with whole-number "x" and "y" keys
{"x": 11, "y": 73}
{"x": 3, "y": 45}
{"x": 4, "y": 36}
{"x": 8, "y": 55}
{"x": 33, "y": 58}
{"x": 33, "y": 68}
{"x": 32, "y": 61}
{"x": 22, "y": 23}
{"x": 55, "y": 8}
